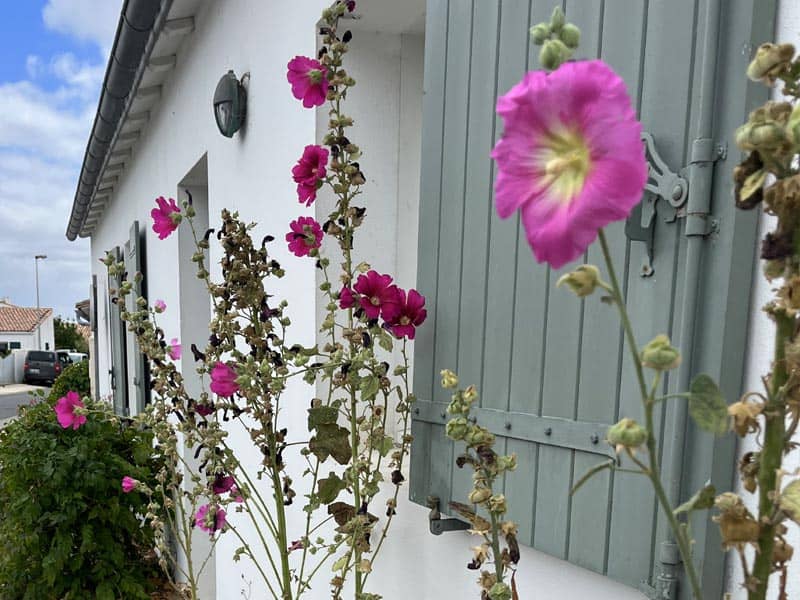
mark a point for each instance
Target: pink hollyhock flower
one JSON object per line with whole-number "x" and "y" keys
{"x": 309, "y": 172}
{"x": 378, "y": 295}
{"x": 346, "y": 298}
{"x": 570, "y": 158}
{"x": 309, "y": 80}
{"x": 65, "y": 411}
{"x": 128, "y": 484}
{"x": 209, "y": 519}
{"x": 223, "y": 380}
{"x": 236, "y": 495}
{"x": 166, "y": 217}
{"x": 223, "y": 483}
{"x": 409, "y": 315}
{"x": 305, "y": 236}
{"x": 159, "y": 306}
{"x": 174, "y": 349}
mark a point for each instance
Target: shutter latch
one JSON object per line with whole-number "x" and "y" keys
{"x": 673, "y": 188}
{"x": 662, "y": 183}
{"x": 438, "y": 525}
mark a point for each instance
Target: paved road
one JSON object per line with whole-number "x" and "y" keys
{"x": 9, "y": 404}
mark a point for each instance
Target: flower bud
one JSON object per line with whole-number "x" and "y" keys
{"x": 553, "y": 54}
{"x": 793, "y": 127}
{"x": 570, "y": 35}
{"x": 582, "y": 281}
{"x": 449, "y": 379}
{"x": 760, "y": 136}
{"x": 507, "y": 463}
{"x": 479, "y": 495}
{"x": 557, "y": 19}
{"x": 659, "y": 355}
{"x": 626, "y": 434}
{"x": 769, "y": 61}
{"x": 540, "y": 33}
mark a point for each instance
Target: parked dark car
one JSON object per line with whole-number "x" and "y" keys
{"x": 41, "y": 367}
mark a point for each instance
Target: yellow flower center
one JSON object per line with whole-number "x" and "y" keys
{"x": 565, "y": 161}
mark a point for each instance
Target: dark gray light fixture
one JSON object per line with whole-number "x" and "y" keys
{"x": 230, "y": 104}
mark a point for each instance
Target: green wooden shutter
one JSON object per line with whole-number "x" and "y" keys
{"x": 553, "y": 370}
{"x": 118, "y": 370}
{"x": 134, "y": 263}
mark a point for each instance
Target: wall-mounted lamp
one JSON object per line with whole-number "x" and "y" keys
{"x": 230, "y": 104}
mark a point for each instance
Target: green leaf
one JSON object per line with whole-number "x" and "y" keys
{"x": 369, "y": 387}
{"x": 331, "y": 440}
{"x": 702, "y": 500}
{"x": 790, "y": 500}
{"x": 385, "y": 341}
{"x": 328, "y": 489}
{"x": 321, "y": 415}
{"x": 706, "y": 405}
{"x": 386, "y": 445}
{"x": 591, "y": 473}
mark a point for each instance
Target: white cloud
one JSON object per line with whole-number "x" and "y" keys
{"x": 48, "y": 123}
{"x": 88, "y": 77}
{"x": 89, "y": 20}
{"x": 33, "y": 66}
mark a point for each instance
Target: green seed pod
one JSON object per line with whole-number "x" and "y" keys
{"x": 626, "y": 434}
{"x": 769, "y": 61}
{"x": 540, "y": 33}
{"x": 500, "y": 591}
{"x": 479, "y": 495}
{"x": 570, "y": 35}
{"x": 658, "y": 354}
{"x": 456, "y": 429}
{"x": 449, "y": 379}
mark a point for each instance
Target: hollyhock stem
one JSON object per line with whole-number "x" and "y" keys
{"x": 648, "y": 401}
{"x": 770, "y": 458}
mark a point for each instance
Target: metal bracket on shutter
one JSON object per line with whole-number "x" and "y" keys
{"x": 437, "y": 524}
{"x": 662, "y": 183}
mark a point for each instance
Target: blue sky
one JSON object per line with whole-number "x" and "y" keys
{"x": 53, "y": 58}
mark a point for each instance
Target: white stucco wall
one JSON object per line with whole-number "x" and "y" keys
{"x": 760, "y": 347}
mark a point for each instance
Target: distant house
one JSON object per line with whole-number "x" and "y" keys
{"x": 23, "y": 328}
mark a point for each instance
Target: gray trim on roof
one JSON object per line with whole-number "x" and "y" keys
{"x": 139, "y": 25}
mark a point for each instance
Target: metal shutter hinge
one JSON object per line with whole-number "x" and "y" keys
{"x": 676, "y": 193}
{"x": 666, "y": 583}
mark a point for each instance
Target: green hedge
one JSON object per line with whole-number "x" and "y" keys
{"x": 74, "y": 377}
{"x": 67, "y": 531}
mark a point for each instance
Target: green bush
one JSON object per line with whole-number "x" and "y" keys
{"x": 75, "y": 378}
{"x": 67, "y": 531}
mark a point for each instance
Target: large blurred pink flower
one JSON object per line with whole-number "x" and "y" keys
{"x": 223, "y": 380}
{"x": 65, "y": 411}
{"x": 305, "y": 236}
{"x": 378, "y": 295}
{"x": 409, "y": 315}
{"x": 309, "y": 172}
{"x": 210, "y": 519}
{"x": 128, "y": 484}
{"x": 309, "y": 81}
{"x": 570, "y": 158}
{"x": 166, "y": 217}
{"x": 223, "y": 483}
